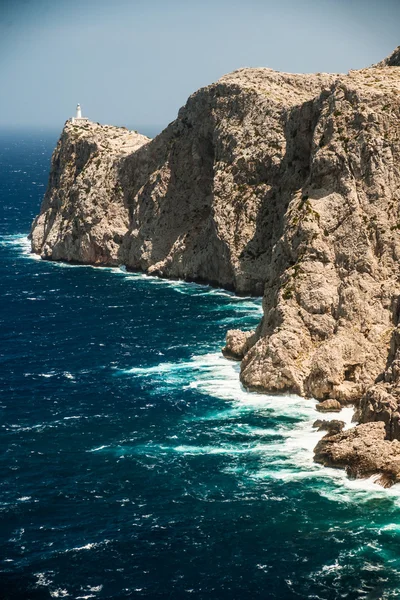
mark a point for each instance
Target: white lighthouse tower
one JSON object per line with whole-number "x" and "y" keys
{"x": 78, "y": 119}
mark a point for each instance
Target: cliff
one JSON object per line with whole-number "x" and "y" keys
{"x": 287, "y": 185}
{"x": 84, "y": 216}
{"x": 203, "y": 201}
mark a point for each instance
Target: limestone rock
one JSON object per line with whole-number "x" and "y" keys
{"x": 204, "y": 201}
{"x": 381, "y": 402}
{"x": 84, "y": 215}
{"x": 332, "y": 427}
{"x": 330, "y": 311}
{"x": 286, "y": 185}
{"x": 329, "y": 406}
{"x": 362, "y": 451}
{"x": 237, "y": 343}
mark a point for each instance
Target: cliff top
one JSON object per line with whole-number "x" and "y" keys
{"x": 289, "y": 88}
{"x": 284, "y": 87}
{"x": 113, "y": 140}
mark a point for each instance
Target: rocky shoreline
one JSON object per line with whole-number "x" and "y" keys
{"x": 266, "y": 183}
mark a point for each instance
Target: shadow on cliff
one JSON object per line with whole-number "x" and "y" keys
{"x": 168, "y": 192}
{"x": 260, "y": 255}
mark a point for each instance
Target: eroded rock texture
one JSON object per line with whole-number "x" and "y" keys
{"x": 393, "y": 60}
{"x": 363, "y": 451}
{"x": 287, "y": 185}
{"x": 205, "y": 200}
{"x": 330, "y": 311}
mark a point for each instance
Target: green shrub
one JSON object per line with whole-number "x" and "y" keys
{"x": 288, "y": 294}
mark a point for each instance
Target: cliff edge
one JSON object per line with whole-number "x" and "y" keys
{"x": 267, "y": 182}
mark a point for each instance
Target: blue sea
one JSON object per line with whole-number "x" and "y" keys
{"x": 133, "y": 463}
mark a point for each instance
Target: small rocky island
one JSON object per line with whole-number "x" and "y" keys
{"x": 266, "y": 183}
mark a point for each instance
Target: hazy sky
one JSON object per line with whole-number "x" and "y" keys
{"x": 135, "y": 62}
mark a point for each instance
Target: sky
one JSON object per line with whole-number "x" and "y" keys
{"x": 135, "y": 62}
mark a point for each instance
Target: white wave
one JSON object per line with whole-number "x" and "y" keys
{"x": 285, "y": 452}
{"x": 347, "y": 490}
{"x": 235, "y": 320}
{"x": 66, "y": 265}
{"x": 19, "y": 242}
{"x": 239, "y": 304}
{"x": 65, "y": 374}
{"x": 86, "y": 547}
{"x": 98, "y": 449}
{"x": 214, "y": 375}
{"x": 222, "y": 449}
{"x": 89, "y": 546}
{"x": 42, "y": 579}
{"x": 288, "y": 457}
{"x": 59, "y": 593}
{"x": 246, "y": 430}
{"x": 14, "y": 427}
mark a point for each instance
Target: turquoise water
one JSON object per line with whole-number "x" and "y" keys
{"x": 133, "y": 463}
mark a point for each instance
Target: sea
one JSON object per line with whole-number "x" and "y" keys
{"x": 133, "y": 462}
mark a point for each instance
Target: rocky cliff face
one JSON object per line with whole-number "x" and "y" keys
{"x": 84, "y": 217}
{"x": 331, "y": 311}
{"x": 266, "y": 182}
{"x": 205, "y": 200}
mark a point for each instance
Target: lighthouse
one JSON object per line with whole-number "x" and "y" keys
{"x": 78, "y": 119}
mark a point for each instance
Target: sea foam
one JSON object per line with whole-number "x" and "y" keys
{"x": 211, "y": 374}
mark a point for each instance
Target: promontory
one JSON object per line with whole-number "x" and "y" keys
{"x": 266, "y": 183}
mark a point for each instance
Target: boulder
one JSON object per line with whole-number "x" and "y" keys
{"x": 332, "y": 427}
{"x": 362, "y": 451}
{"x": 329, "y": 405}
{"x": 237, "y": 343}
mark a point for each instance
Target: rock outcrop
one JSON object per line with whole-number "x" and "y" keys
{"x": 84, "y": 216}
{"x": 381, "y": 402}
{"x": 329, "y": 313}
{"x": 391, "y": 61}
{"x": 238, "y": 343}
{"x": 329, "y": 406}
{"x": 332, "y": 427}
{"x": 287, "y": 185}
{"x": 363, "y": 451}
